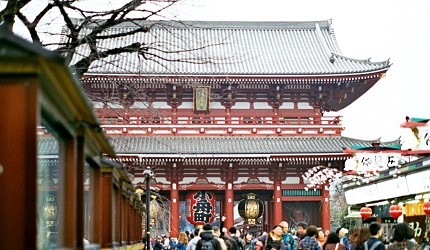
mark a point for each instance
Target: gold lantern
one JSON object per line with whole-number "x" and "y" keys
{"x": 250, "y": 208}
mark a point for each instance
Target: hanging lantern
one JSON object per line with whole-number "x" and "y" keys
{"x": 366, "y": 212}
{"x": 200, "y": 207}
{"x": 250, "y": 208}
{"x": 395, "y": 211}
{"x": 50, "y": 210}
{"x": 426, "y": 208}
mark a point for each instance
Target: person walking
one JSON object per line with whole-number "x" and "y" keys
{"x": 342, "y": 232}
{"x": 333, "y": 242}
{"x": 166, "y": 242}
{"x": 403, "y": 238}
{"x": 271, "y": 241}
{"x": 425, "y": 243}
{"x": 287, "y": 237}
{"x": 363, "y": 236}
{"x": 240, "y": 243}
{"x": 374, "y": 242}
{"x": 207, "y": 239}
{"x": 158, "y": 245}
{"x": 248, "y": 241}
{"x": 217, "y": 233}
{"x": 321, "y": 238}
{"x": 353, "y": 238}
{"x": 192, "y": 243}
{"x": 301, "y": 232}
{"x": 309, "y": 241}
{"x": 182, "y": 242}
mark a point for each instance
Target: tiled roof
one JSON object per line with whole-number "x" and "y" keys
{"x": 165, "y": 145}
{"x": 231, "y": 48}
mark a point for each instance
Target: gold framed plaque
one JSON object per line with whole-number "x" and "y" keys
{"x": 201, "y": 99}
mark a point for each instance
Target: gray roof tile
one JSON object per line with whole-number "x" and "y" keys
{"x": 224, "y": 145}
{"x": 233, "y": 48}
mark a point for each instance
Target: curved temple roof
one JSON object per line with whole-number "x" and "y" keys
{"x": 175, "y": 145}
{"x": 230, "y": 48}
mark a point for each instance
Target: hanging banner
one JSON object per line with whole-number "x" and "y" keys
{"x": 414, "y": 209}
{"x": 370, "y": 162}
{"x": 200, "y": 207}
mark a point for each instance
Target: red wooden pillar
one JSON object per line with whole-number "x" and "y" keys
{"x": 126, "y": 221}
{"x": 95, "y": 201}
{"x": 229, "y": 206}
{"x": 18, "y": 164}
{"x": 131, "y": 224}
{"x": 174, "y": 211}
{"x": 325, "y": 210}
{"x": 131, "y": 229}
{"x": 277, "y": 203}
{"x": 137, "y": 222}
{"x": 267, "y": 215}
{"x": 118, "y": 213}
{"x": 80, "y": 196}
{"x": 67, "y": 193}
{"x": 106, "y": 223}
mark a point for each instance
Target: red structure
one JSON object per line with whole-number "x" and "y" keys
{"x": 248, "y": 120}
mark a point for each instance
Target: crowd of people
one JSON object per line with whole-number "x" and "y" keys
{"x": 306, "y": 237}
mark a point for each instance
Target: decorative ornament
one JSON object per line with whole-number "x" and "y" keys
{"x": 426, "y": 208}
{"x": 250, "y": 208}
{"x": 366, "y": 212}
{"x": 395, "y": 211}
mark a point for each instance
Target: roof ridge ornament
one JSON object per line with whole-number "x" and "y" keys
{"x": 323, "y": 43}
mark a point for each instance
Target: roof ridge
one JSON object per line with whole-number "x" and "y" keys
{"x": 385, "y": 62}
{"x": 222, "y": 24}
{"x": 372, "y": 140}
{"x": 321, "y": 41}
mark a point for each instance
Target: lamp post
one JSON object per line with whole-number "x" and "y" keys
{"x": 148, "y": 175}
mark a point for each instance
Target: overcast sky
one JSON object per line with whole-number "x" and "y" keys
{"x": 398, "y": 30}
{"x": 381, "y": 29}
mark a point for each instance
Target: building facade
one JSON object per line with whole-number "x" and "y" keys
{"x": 230, "y": 108}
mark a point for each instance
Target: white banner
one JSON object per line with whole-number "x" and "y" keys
{"x": 393, "y": 188}
{"x": 418, "y": 182}
{"x": 362, "y": 194}
{"x": 370, "y": 162}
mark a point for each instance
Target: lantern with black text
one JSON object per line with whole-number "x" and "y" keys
{"x": 426, "y": 208}
{"x": 395, "y": 211}
{"x": 366, "y": 212}
{"x": 200, "y": 207}
{"x": 250, "y": 208}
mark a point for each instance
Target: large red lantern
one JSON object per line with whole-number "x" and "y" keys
{"x": 395, "y": 211}
{"x": 366, "y": 212}
{"x": 200, "y": 207}
{"x": 426, "y": 208}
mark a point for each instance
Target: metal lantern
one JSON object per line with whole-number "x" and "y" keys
{"x": 200, "y": 207}
{"x": 426, "y": 208}
{"x": 395, "y": 211}
{"x": 366, "y": 212}
{"x": 50, "y": 210}
{"x": 250, "y": 208}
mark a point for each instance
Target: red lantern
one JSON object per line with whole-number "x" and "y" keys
{"x": 426, "y": 208}
{"x": 395, "y": 211}
{"x": 366, "y": 212}
{"x": 200, "y": 207}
